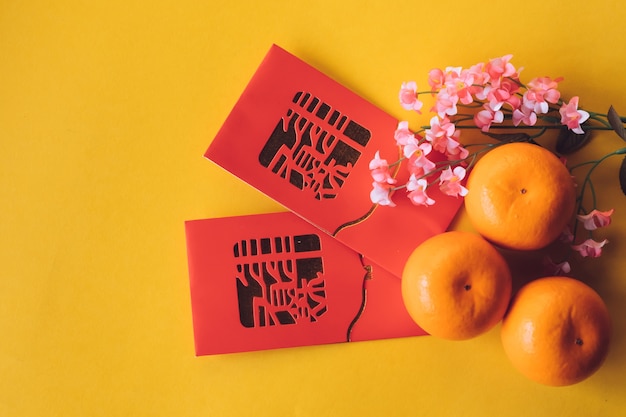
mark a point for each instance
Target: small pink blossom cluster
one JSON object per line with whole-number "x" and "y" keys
{"x": 496, "y": 90}
{"x": 416, "y": 149}
{"x": 497, "y": 86}
{"x": 589, "y": 247}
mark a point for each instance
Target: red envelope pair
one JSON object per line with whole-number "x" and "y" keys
{"x": 306, "y": 141}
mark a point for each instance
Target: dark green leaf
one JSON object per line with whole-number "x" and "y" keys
{"x": 569, "y": 142}
{"x": 622, "y": 176}
{"x": 509, "y": 137}
{"x": 616, "y": 123}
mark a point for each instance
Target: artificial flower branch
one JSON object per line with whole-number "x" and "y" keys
{"x": 500, "y": 102}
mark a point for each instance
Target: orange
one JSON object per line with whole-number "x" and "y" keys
{"x": 521, "y": 196}
{"x": 556, "y": 331}
{"x": 456, "y": 285}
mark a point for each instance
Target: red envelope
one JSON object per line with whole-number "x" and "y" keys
{"x": 306, "y": 141}
{"x": 274, "y": 280}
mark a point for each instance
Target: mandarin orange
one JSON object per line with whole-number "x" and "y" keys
{"x": 456, "y": 285}
{"x": 556, "y": 331}
{"x": 521, "y": 196}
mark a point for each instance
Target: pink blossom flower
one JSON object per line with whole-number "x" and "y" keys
{"x": 445, "y": 103}
{"x": 439, "y": 129}
{"x": 484, "y": 118}
{"x": 479, "y": 74}
{"x": 456, "y": 151}
{"x": 480, "y": 81}
{"x": 403, "y": 134}
{"x": 381, "y": 194}
{"x": 436, "y": 78}
{"x": 590, "y": 248}
{"x": 416, "y": 152}
{"x": 417, "y": 192}
{"x": 413, "y": 146}
{"x": 453, "y": 72}
{"x": 572, "y": 117}
{"x": 524, "y": 115}
{"x": 541, "y": 91}
{"x": 379, "y": 169}
{"x": 459, "y": 83}
{"x": 444, "y": 138}
{"x": 552, "y": 268}
{"x": 420, "y": 165}
{"x": 408, "y": 97}
{"x": 481, "y": 92}
{"x": 504, "y": 93}
{"x": 450, "y": 182}
{"x": 499, "y": 68}
{"x": 596, "y": 219}
{"x": 448, "y": 145}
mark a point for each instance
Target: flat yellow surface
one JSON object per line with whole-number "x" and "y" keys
{"x": 106, "y": 108}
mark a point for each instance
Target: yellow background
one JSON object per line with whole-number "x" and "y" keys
{"x": 106, "y": 108}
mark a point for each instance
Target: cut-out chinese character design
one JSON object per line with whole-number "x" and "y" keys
{"x": 280, "y": 280}
{"x": 314, "y": 146}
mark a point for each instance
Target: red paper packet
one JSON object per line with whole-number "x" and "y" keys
{"x": 306, "y": 141}
{"x": 273, "y": 281}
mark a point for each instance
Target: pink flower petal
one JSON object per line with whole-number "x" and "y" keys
{"x": 590, "y": 248}
{"x": 381, "y": 195}
{"x": 596, "y": 219}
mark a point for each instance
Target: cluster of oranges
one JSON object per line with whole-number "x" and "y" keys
{"x": 457, "y": 285}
